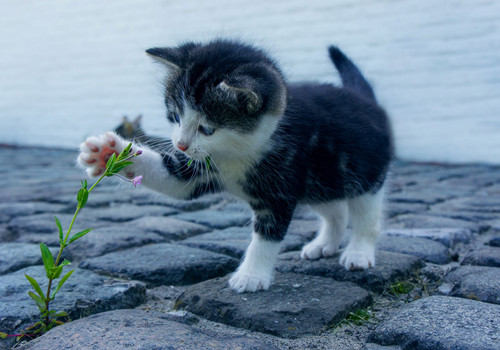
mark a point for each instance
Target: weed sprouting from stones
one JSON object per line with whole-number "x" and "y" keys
{"x": 53, "y": 267}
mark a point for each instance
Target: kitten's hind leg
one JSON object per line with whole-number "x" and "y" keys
{"x": 366, "y": 215}
{"x": 326, "y": 243}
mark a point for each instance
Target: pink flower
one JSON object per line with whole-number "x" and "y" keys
{"x": 137, "y": 180}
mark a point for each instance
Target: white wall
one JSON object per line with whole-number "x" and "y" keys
{"x": 69, "y": 69}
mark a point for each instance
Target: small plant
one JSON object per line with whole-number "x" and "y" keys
{"x": 208, "y": 162}
{"x": 357, "y": 318}
{"x": 402, "y": 287}
{"x": 51, "y": 318}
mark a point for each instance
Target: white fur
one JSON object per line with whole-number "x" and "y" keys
{"x": 366, "y": 216}
{"x": 334, "y": 215}
{"x": 365, "y": 213}
{"x": 256, "y": 271}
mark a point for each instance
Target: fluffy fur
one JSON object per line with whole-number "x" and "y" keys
{"x": 273, "y": 144}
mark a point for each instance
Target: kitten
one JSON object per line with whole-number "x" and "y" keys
{"x": 273, "y": 144}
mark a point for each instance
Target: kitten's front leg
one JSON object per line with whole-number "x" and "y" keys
{"x": 95, "y": 152}
{"x": 256, "y": 271}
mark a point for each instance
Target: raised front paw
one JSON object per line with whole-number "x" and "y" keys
{"x": 243, "y": 282}
{"x": 96, "y": 151}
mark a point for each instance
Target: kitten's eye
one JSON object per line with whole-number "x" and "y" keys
{"x": 206, "y": 130}
{"x": 177, "y": 118}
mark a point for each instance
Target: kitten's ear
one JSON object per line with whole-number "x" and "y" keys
{"x": 241, "y": 94}
{"x": 171, "y": 57}
{"x": 137, "y": 121}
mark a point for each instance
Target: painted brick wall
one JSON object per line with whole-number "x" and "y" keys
{"x": 69, "y": 69}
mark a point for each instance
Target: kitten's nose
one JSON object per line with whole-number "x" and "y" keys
{"x": 182, "y": 146}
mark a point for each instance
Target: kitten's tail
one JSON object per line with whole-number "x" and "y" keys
{"x": 352, "y": 78}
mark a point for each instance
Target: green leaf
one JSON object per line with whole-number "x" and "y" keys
{"x": 35, "y": 285}
{"x": 208, "y": 162}
{"x": 61, "y": 314}
{"x": 65, "y": 262}
{"x": 82, "y": 197}
{"x": 55, "y": 272}
{"x": 79, "y": 235}
{"x": 111, "y": 161}
{"x": 126, "y": 151}
{"x": 3, "y": 335}
{"x": 119, "y": 166}
{"x": 190, "y": 161}
{"x": 61, "y": 233}
{"x": 39, "y": 302}
{"x": 48, "y": 259}
{"x": 60, "y": 284}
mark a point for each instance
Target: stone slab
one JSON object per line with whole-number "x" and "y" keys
{"x": 495, "y": 242}
{"x": 448, "y": 236}
{"x": 170, "y": 228}
{"x": 136, "y": 329}
{"x": 45, "y": 223}
{"x": 233, "y": 241}
{"x": 15, "y": 256}
{"x": 217, "y": 219}
{"x": 420, "y": 221}
{"x": 442, "y": 323}
{"x": 162, "y": 264}
{"x": 129, "y": 212}
{"x": 105, "y": 240}
{"x": 294, "y": 305}
{"x": 473, "y": 282}
{"x": 487, "y": 256}
{"x": 83, "y": 294}
{"x": 389, "y": 267}
{"x": 426, "y": 249}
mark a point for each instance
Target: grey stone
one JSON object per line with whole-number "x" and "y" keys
{"x": 372, "y": 346}
{"x": 448, "y": 236}
{"x": 12, "y": 209}
{"x": 136, "y": 329}
{"x": 162, "y": 264}
{"x": 389, "y": 267}
{"x": 16, "y": 256}
{"x": 109, "y": 239}
{"x": 170, "y": 228}
{"x": 488, "y": 256}
{"x": 45, "y": 223}
{"x": 294, "y": 305}
{"x": 425, "y": 249}
{"x": 217, "y": 219}
{"x": 184, "y": 205}
{"x": 50, "y": 239}
{"x": 83, "y": 294}
{"x": 473, "y": 282}
{"x": 420, "y": 221}
{"x": 495, "y": 241}
{"x": 442, "y": 323}
{"x": 306, "y": 228}
{"x": 422, "y": 196}
{"x": 128, "y": 212}
{"x": 233, "y": 241}
{"x": 397, "y": 208}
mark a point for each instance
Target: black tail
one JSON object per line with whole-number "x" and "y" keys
{"x": 352, "y": 78}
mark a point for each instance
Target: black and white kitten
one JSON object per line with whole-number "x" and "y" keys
{"x": 273, "y": 144}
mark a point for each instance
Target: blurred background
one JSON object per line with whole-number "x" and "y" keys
{"x": 70, "y": 69}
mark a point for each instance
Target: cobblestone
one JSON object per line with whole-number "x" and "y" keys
{"x": 441, "y": 237}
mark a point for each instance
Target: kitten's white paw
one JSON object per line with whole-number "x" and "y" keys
{"x": 355, "y": 258}
{"x": 244, "y": 282}
{"x": 316, "y": 249}
{"x": 95, "y": 152}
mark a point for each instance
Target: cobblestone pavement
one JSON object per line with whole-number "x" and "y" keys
{"x": 153, "y": 273}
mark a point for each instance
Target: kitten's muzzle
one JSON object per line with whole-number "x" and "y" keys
{"x": 182, "y": 146}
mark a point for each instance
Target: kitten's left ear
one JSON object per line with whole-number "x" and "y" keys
{"x": 249, "y": 97}
{"x": 171, "y": 57}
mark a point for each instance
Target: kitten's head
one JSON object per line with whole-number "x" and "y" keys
{"x": 223, "y": 98}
